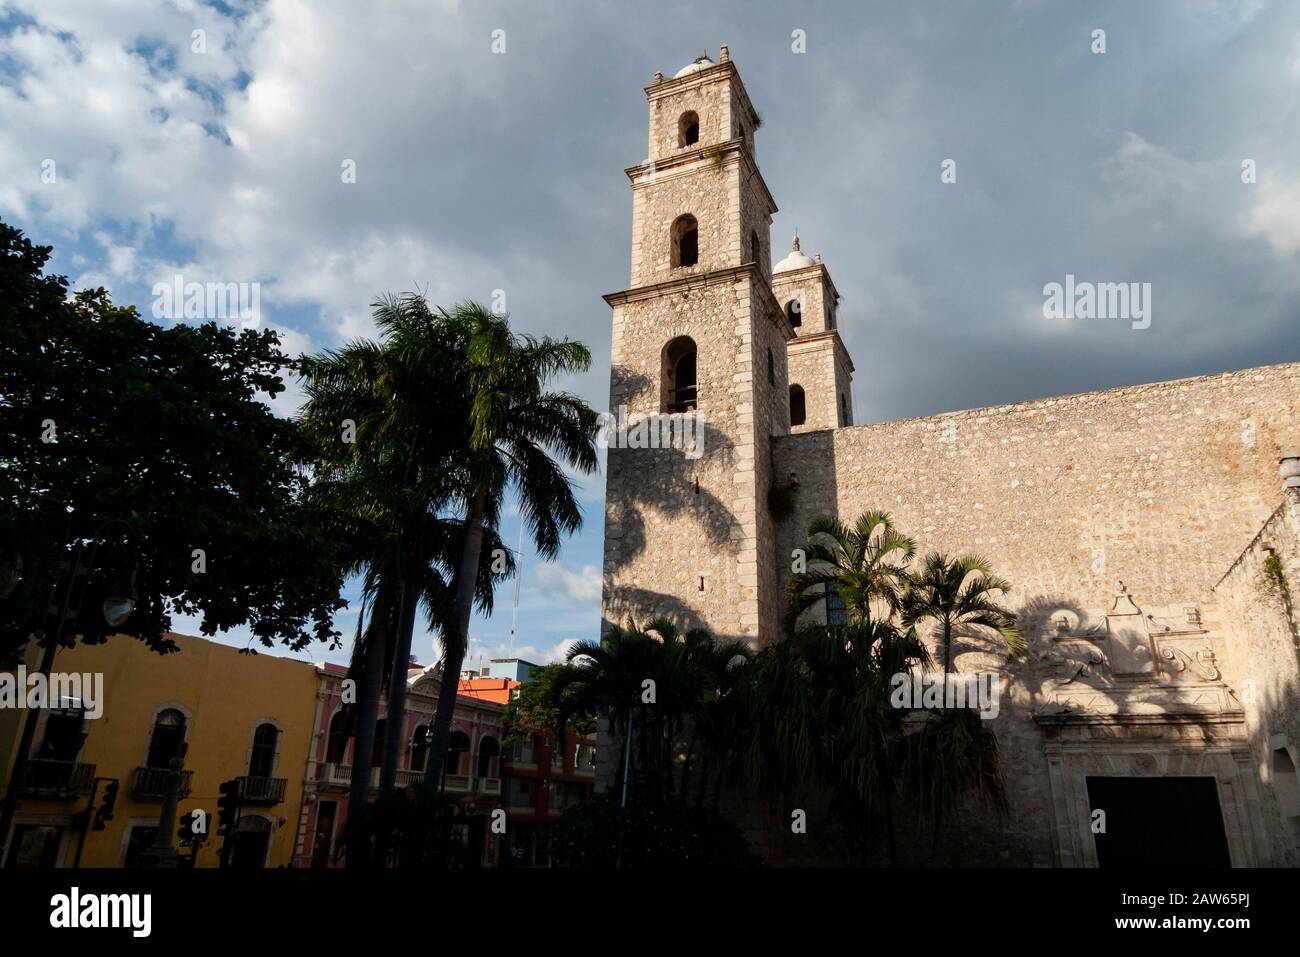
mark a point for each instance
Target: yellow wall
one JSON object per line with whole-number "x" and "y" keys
{"x": 226, "y": 695}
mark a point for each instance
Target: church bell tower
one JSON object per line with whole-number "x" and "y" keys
{"x": 699, "y": 336}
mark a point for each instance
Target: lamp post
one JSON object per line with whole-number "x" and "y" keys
{"x": 162, "y": 854}
{"x": 118, "y": 604}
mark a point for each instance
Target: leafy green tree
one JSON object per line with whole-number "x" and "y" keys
{"x": 156, "y": 443}
{"x": 551, "y": 700}
{"x": 864, "y": 563}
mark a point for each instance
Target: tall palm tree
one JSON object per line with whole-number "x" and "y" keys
{"x": 864, "y": 563}
{"x": 955, "y": 592}
{"x": 956, "y": 752}
{"x": 385, "y": 467}
{"x": 520, "y": 437}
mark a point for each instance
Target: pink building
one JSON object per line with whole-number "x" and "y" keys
{"x": 471, "y": 773}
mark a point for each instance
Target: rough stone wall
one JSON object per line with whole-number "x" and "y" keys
{"x": 815, "y": 366}
{"x": 672, "y": 520}
{"x": 702, "y": 187}
{"x": 702, "y": 93}
{"x": 751, "y": 209}
{"x": 1264, "y": 663}
{"x": 1156, "y": 485}
{"x": 808, "y": 286}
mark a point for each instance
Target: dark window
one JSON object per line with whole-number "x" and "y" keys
{"x": 679, "y": 382}
{"x": 488, "y": 749}
{"x": 685, "y": 242}
{"x": 798, "y": 406}
{"x": 261, "y": 763}
{"x": 688, "y": 129}
{"x": 35, "y": 845}
{"x": 844, "y": 410}
{"x": 165, "y": 742}
{"x": 324, "y": 843}
{"x": 377, "y": 751}
{"x": 420, "y": 747}
{"x": 63, "y": 735}
{"x": 755, "y": 250}
{"x": 457, "y": 745}
{"x": 141, "y": 838}
{"x": 794, "y": 312}
{"x": 340, "y": 730}
{"x": 835, "y": 613}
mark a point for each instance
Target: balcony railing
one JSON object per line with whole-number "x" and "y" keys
{"x": 456, "y": 784}
{"x": 489, "y": 785}
{"x": 257, "y": 790}
{"x": 57, "y": 779}
{"x": 411, "y": 777}
{"x": 150, "y": 784}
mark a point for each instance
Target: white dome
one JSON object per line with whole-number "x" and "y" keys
{"x": 796, "y": 259}
{"x": 701, "y": 63}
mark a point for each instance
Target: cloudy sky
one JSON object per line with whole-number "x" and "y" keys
{"x": 219, "y": 156}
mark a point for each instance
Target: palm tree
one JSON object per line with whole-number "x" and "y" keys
{"x": 814, "y": 715}
{"x": 385, "y": 491}
{"x": 612, "y": 672}
{"x": 960, "y": 592}
{"x": 864, "y": 563}
{"x": 514, "y": 428}
{"x": 956, "y": 752}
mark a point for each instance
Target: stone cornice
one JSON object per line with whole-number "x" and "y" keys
{"x": 816, "y": 269}
{"x": 725, "y": 69}
{"x": 664, "y": 165}
{"x": 815, "y": 338}
{"x": 715, "y": 277}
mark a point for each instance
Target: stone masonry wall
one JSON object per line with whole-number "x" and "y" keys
{"x": 1156, "y": 485}
{"x": 680, "y": 533}
{"x": 1264, "y": 663}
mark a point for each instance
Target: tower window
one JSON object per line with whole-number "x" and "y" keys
{"x": 798, "y": 406}
{"x": 755, "y": 250}
{"x": 685, "y": 241}
{"x": 844, "y": 410}
{"x": 679, "y": 388}
{"x": 794, "y": 312}
{"x": 688, "y": 129}
{"x": 771, "y": 368}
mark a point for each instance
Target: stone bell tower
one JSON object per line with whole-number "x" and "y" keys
{"x": 821, "y": 372}
{"x": 697, "y": 336}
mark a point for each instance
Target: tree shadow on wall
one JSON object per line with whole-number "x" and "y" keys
{"x": 1038, "y": 619}
{"x": 671, "y": 483}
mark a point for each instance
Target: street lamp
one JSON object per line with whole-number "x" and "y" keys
{"x": 119, "y": 601}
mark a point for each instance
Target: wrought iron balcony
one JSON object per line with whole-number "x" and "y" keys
{"x": 63, "y": 780}
{"x": 256, "y": 790}
{"x": 150, "y": 784}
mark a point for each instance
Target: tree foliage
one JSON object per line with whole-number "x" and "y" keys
{"x": 156, "y": 442}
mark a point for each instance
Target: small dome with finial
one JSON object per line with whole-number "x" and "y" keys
{"x": 695, "y": 66}
{"x": 796, "y": 259}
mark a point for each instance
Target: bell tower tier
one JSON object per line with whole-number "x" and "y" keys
{"x": 821, "y": 372}
{"x": 699, "y": 380}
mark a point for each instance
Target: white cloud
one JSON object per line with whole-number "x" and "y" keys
{"x": 581, "y": 586}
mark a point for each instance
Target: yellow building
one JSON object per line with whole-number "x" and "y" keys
{"x": 239, "y": 716}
